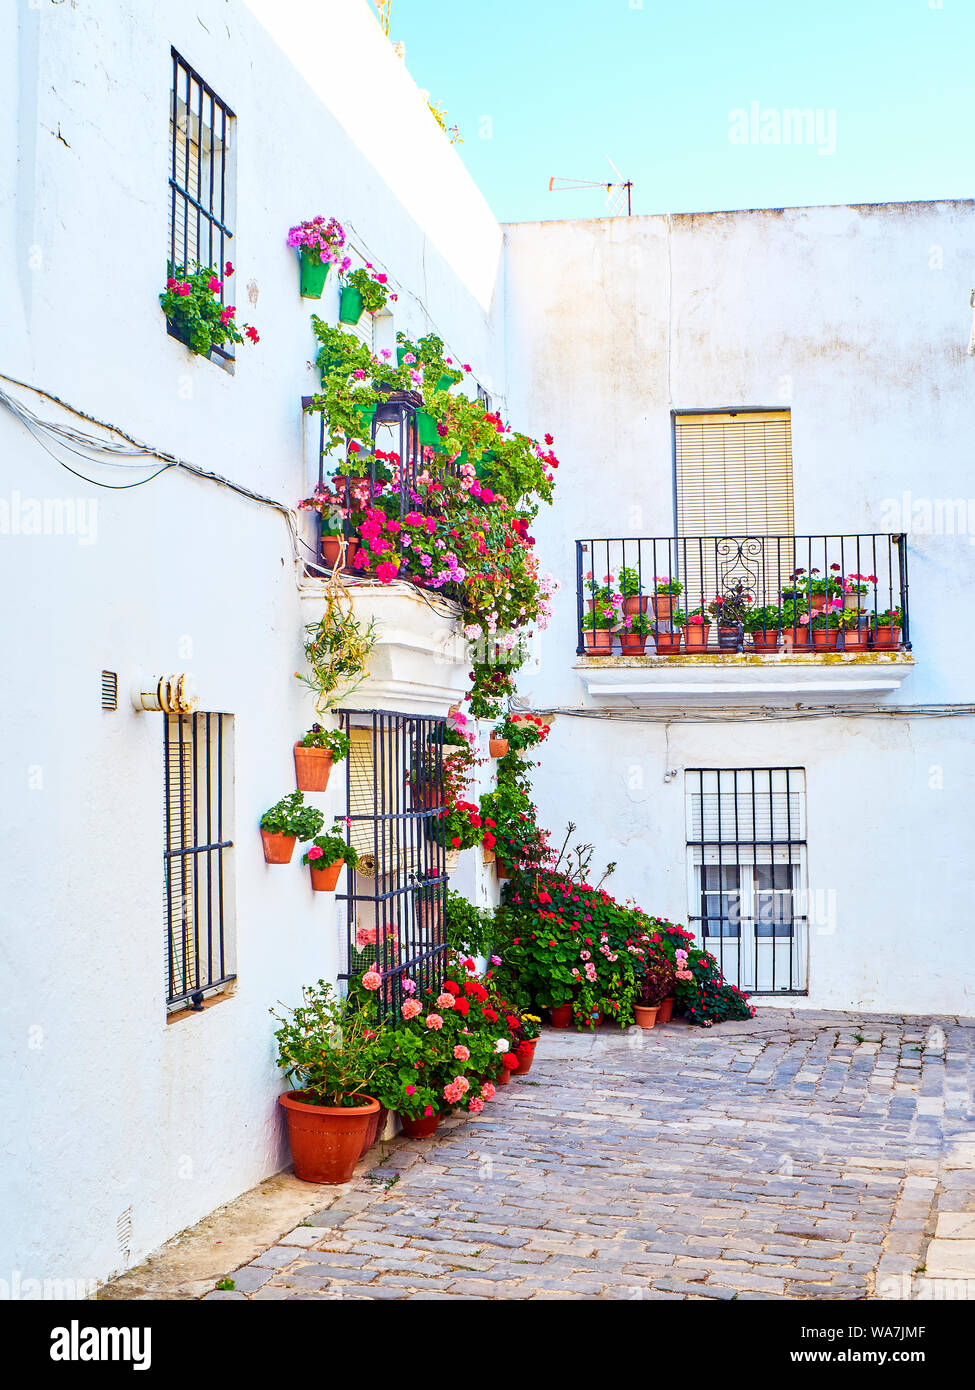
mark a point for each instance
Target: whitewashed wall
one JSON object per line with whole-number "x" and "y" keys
{"x": 107, "y": 1110}
{"x": 857, "y": 319}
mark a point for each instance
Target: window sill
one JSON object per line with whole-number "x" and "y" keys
{"x": 186, "y": 1011}
{"x": 812, "y": 678}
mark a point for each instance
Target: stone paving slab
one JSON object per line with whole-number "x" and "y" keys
{"x": 763, "y": 1159}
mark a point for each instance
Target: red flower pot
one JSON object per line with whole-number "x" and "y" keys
{"x": 312, "y": 768}
{"x": 825, "y": 638}
{"x": 326, "y": 1140}
{"x": 325, "y": 880}
{"x": 644, "y": 1015}
{"x": 765, "y": 641}
{"x": 525, "y": 1060}
{"x": 668, "y": 643}
{"x": 796, "y": 639}
{"x": 504, "y": 870}
{"x": 497, "y": 747}
{"x": 332, "y": 547}
{"x": 375, "y": 1127}
{"x": 663, "y": 606}
{"x": 856, "y": 638}
{"x": 503, "y": 1077}
{"x": 560, "y": 1017}
{"x": 636, "y": 603}
{"x": 631, "y": 645}
{"x": 886, "y": 637}
{"x": 696, "y": 636}
{"x": 420, "y": 1128}
{"x": 601, "y": 640}
{"x": 665, "y": 1009}
{"x": 278, "y": 848}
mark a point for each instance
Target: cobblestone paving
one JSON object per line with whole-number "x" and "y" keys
{"x": 795, "y": 1156}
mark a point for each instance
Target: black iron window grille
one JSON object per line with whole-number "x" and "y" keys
{"x": 396, "y": 897}
{"x": 201, "y": 178}
{"x": 386, "y": 473}
{"x": 197, "y": 858}
{"x": 788, "y": 593}
{"x": 746, "y": 849}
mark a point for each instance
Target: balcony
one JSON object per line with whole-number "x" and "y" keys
{"x": 761, "y": 619}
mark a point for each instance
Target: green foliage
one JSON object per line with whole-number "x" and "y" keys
{"x": 327, "y": 1047}
{"x": 192, "y": 303}
{"x": 337, "y": 649}
{"x": 334, "y": 740}
{"x": 329, "y": 849}
{"x": 290, "y": 816}
{"x": 467, "y": 929}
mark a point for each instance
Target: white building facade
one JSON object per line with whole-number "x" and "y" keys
{"x": 128, "y": 1118}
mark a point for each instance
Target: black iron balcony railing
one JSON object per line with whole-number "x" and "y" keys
{"x": 765, "y": 594}
{"x": 382, "y": 477}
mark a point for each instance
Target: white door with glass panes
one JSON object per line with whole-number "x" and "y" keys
{"x": 746, "y": 865}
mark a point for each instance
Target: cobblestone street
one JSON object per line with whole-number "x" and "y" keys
{"x": 792, "y": 1156}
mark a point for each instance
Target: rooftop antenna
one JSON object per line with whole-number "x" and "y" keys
{"x": 619, "y": 194}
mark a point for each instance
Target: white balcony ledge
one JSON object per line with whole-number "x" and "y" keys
{"x": 420, "y": 662}
{"x": 743, "y": 678}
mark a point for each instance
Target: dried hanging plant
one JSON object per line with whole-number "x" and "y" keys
{"x": 337, "y": 647}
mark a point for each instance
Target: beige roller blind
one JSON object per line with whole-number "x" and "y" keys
{"x": 734, "y": 484}
{"x": 374, "y": 783}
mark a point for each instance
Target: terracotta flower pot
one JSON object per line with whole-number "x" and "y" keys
{"x": 504, "y": 870}
{"x": 560, "y": 1017}
{"x": 487, "y": 855}
{"x": 374, "y": 1127}
{"x": 498, "y": 747}
{"x": 765, "y": 641}
{"x": 632, "y": 645}
{"x": 817, "y": 602}
{"x": 503, "y": 1077}
{"x": 795, "y": 639}
{"x": 645, "y": 1015}
{"x": 636, "y": 603}
{"x": 825, "y": 638}
{"x": 312, "y": 768}
{"x": 696, "y": 636}
{"x": 332, "y": 550}
{"x": 278, "y": 848}
{"x": 325, "y": 880}
{"x": 326, "y": 1140}
{"x": 525, "y": 1063}
{"x": 420, "y": 1128}
{"x": 663, "y": 605}
{"x": 665, "y": 1009}
{"x": 886, "y": 637}
{"x": 856, "y": 638}
{"x": 667, "y": 643}
{"x": 601, "y": 640}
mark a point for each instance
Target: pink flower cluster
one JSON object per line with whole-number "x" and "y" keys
{"x": 327, "y": 238}
{"x": 456, "y": 1090}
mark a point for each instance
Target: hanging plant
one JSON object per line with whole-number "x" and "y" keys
{"x": 192, "y": 303}
{"x": 363, "y": 290}
{"x": 320, "y": 245}
{"x": 337, "y": 648}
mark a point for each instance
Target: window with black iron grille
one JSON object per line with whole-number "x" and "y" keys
{"x": 746, "y": 855}
{"x": 197, "y": 856}
{"x": 396, "y": 897}
{"x": 202, "y": 183}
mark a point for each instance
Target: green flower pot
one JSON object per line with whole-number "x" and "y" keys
{"x": 427, "y": 429}
{"x": 350, "y": 305}
{"x": 487, "y": 457}
{"x": 445, "y": 383}
{"x": 366, "y": 413}
{"x": 400, "y": 354}
{"x": 312, "y": 274}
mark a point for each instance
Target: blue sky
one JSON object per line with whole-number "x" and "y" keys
{"x": 539, "y": 87}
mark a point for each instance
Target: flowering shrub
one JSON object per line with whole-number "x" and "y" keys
{"x": 516, "y": 837}
{"x": 192, "y": 302}
{"x": 334, "y": 740}
{"x": 523, "y": 731}
{"x": 371, "y": 284}
{"x": 327, "y": 1047}
{"x": 330, "y": 849}
{"x": 321, "y": 241}
{"x": 290, "y": 816}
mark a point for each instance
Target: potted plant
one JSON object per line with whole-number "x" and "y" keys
{"x": 887, "y": 628}
{"x": 854, "y": 627}
{"x": 315, "y": 754}
{"x": 665, "y": 591}
{"x": 634, "y": 634}
{"x": 695, "y": 628}
{"x": 498, "y": 744}
{"x": 855, "y": 589}
{"x": 326, "y": 1047}
{"x": 667, "y": 643}
{"x": 634, "y": 599}
{"x": 524, "y": 731}
{"x": 729, "y": 609}
{"x": 196, "y": 312}
{"x": 763, "y": 624}
{"x": 531, "y": 1031}
{"x": 363, "y": 290}
{"x": 654, "y": 984}
{"x": 325, "y": 857}
{"x": 795, "y": 624}
{"x": 597, "y": 626}
{"x": 825, "y": 626}
{"x": 288, "y": 820}
{"x": 320, "y": 245}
